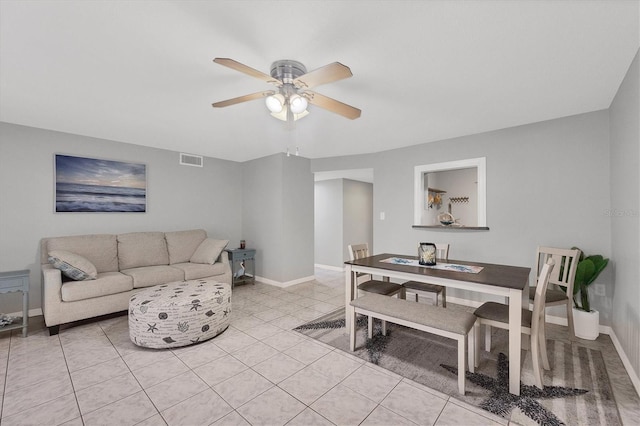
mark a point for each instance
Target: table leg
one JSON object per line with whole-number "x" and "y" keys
{"x": 515, "y": 339}
{"x": 348, "y": 295}
{"x": 25, "y": 312}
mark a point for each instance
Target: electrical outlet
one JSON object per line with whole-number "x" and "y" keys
{"x": 599, "y": 290}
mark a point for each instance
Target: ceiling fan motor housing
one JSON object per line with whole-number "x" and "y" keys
{"x": 287, "y": 70}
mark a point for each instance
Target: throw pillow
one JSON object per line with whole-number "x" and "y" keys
{"x": 73, "y": 265}
{"x": 208, "y": 251}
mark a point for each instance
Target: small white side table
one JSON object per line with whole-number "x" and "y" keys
{"x": 13, "y": 281}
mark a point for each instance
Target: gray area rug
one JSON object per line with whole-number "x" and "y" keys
{"x": 576, "y": 391}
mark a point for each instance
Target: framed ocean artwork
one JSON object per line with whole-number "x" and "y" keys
{"x": 94, "y": 185}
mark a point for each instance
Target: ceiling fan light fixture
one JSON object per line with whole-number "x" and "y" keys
{"x": 275, "y": 103}
{"x": 298, "y": 104}
{"x": 282, "y": 115}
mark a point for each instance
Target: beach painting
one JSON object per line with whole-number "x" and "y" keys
{"x": 94, "y": 185}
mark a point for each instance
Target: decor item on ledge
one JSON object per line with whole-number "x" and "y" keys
{"x": 427, "y": 254}
{"x": 94, "y": 185}
{"x": 446, "y": 219}
{"x": 456, "y": 200}
{"x": 586, "y": 320}
{"x": 289, "y": 102}
{"x": 434, "y": 198}
{"x": 242, "y": 244}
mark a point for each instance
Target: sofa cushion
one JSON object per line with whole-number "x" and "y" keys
{"x": 194, "y": 271}
{"x": 208, "y": 251}
{"x": 148, "y": 276}
{"x": 182, "y": 244}
{"x": 138, "y": 249}
{"x": 73, "y": 265}
{"x": 106, "y": 283}
{"x": 99, "y": 249}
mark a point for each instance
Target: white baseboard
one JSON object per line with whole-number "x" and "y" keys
{"x": 286, "y": 283}
{"x": 32, "y": 313}
{"x": 625, "y": 361}
{"x": 329, "y": 267}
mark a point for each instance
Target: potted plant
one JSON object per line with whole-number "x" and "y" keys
{"x": 586, "y": 320}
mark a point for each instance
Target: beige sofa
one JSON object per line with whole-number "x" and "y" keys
{"x": 107, "y": 269}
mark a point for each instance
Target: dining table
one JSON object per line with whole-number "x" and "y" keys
{"x": 511, "y": 282}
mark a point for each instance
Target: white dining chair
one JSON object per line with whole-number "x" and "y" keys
{"x": 367, "y": 284}
{"x": 493, "y": 314}
{"x": 563, "y": 275}
{"x": 422, "y": 289}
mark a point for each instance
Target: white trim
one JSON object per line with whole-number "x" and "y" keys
{"x": 418, "y": 185}
{"x": 36, "y": 312}
{"x": 286, "y": 283}
{"x": 329, "y": 267}
{"x": 625, "y": 361}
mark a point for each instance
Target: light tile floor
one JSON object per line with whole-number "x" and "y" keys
{"x": 258, "y": 372}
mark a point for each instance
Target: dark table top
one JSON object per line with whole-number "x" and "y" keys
{"x": 506, "y": 276}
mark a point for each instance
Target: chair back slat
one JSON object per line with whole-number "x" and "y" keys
{"x": 566, "y": 263}
{"x": 442, "y": 251}
{"x": 358, "y": 251}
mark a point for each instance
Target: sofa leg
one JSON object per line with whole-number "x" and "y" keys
{"x": 53, "y": 330}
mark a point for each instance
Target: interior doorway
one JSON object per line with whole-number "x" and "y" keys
{"x": 343, "y": 207}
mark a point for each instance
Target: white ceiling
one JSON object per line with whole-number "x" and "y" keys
{"x": 141, "y": 72}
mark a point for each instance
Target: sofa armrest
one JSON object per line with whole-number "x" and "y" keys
{"x": 51, "y": 295}
{"x": 224, "y": 257}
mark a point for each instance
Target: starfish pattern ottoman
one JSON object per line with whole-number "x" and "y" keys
{"x": 179, "y": 313}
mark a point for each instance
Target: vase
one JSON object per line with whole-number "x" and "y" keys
{"x": 586, "y": 324}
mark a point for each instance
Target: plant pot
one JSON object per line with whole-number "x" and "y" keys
{"x": 586, "y": 324}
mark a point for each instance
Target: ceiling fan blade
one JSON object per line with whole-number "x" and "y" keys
{"x": 332, "y": 105}
{"x": 244, "y": 98}
{"x": 327, "y": 74}
{"x": 247, "y": 70}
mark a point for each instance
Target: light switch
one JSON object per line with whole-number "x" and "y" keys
{"x": 381, "y": 215}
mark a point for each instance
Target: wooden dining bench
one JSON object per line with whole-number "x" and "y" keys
{"x": 446, "y": 322}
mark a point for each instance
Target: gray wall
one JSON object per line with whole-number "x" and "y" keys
{"x": 358, "y": 215}
{"x": 298, "y": 217}
{"x": 625, "y": 213}
{"x": 328, "y": 222}
{"x": 178, "y": 197}
{"x": 547, "y": 184}
{"x": 277, "y": 215}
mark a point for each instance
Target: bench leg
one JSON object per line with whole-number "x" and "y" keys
{"x": 384, "y": 328}
{"x": 462, "y": 355}
{"x": 476, "y": 355}
{"x": 370, "y": 328}
{"x": 471, "y": 354}
{"x": 444, "y": 297}
{"x": 487, "y": 337}
{"x": 352, "y": 329}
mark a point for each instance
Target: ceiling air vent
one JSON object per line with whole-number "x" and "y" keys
{"x": 191, "y": 160}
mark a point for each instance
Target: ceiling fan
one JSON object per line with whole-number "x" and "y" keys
{"x": 290, "y": 100}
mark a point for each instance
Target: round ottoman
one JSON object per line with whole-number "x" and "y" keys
{"x": 179, "y": 314}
